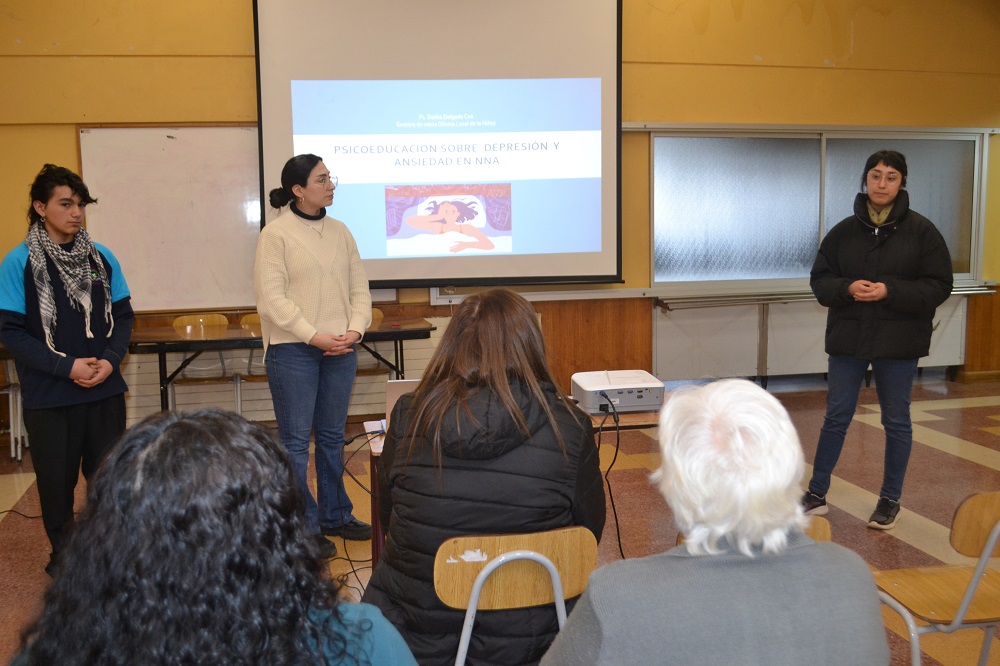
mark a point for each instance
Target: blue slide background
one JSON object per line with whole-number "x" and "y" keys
{"x": 515, "y": 105}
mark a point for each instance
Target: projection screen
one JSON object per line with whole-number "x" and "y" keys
{"x": 475, "y": 142}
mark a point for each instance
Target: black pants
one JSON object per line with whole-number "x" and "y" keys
{"x": 62, "y": 439}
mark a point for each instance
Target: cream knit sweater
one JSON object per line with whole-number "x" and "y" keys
{"x": 306, "y": 283}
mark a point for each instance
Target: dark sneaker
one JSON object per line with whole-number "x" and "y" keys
{"x": 352, "y": 530}
{"x": 884, "y": 517}
{"x": 814, "y": 505}
{"x": 325, "y": 548}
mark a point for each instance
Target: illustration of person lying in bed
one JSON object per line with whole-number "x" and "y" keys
{"x": 445, "y": 216}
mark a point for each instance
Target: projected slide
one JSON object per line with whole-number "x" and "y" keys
{"x": 449, "y": 168}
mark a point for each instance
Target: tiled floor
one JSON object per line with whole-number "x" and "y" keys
{"x": 956, "y": 452}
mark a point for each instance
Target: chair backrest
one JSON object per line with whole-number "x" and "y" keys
{"x": 203, "y": 325}
{"x": 201, "y": 319}
{"x": 518, "y": 584}
{"x": 819, "y": 529}
{"x": 974, "y": 520}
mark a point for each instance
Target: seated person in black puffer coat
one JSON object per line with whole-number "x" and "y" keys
{"x": 487, "y": 444}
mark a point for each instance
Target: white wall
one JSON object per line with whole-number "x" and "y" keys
{"x": 701, "y": 343}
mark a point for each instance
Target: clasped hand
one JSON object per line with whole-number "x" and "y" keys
{"x": 863, "y": 290}
{"x": 89, "y": 372}
{"x": 335, "y": 345}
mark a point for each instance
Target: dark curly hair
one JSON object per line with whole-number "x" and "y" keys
{"x": 192, "y": 550}
{"x": 47, "y": 180}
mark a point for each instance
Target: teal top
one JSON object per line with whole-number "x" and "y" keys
{"x": 382, "y": 643}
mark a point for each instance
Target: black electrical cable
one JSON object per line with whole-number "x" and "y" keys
{"x": 607, "y": 481}
{"x": 18, "y": 513}
{"x": 351, "y": 561}
{"x": 345, "y": 578}
{"x": 371, "y": 435}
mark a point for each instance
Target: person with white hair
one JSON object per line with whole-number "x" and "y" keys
{"x": 746, "y": 585}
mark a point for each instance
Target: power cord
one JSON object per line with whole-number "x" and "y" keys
{"x": 345, "y": 578}
{"x": 18, "y": 513}
{"x": 370, "y": 435}
{"x": 614, "y": 458}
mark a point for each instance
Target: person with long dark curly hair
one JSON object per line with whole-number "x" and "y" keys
{"x": 193, "y": 550}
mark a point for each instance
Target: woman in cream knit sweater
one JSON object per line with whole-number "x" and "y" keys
{"x": 314, "y": 304}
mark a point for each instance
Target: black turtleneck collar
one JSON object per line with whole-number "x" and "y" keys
{"x": 315, "y": 218}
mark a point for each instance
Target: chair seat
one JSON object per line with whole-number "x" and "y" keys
{"x": 253, "y": 378}
{"x": 933, "y": 594}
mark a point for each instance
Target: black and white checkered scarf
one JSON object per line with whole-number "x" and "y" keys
{"x": 75, "y": 273}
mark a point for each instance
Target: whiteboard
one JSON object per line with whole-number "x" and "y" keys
{"x": 180, "y": 208}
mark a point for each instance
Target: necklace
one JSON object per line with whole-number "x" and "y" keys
{"x": 319, "y": 232}
{"x": 310, "y": 220}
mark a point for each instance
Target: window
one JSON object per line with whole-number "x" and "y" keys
{"x": 739, "y": 214}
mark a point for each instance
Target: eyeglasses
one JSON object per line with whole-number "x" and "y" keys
{"x": 878, "y": 176}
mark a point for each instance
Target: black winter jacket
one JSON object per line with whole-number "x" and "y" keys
{"x": 489, "y": 480}
{"x": 908, "y": 254}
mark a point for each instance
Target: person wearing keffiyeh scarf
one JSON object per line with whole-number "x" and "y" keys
{"x": 66, "y": 319}
{"x": 74, "y": 270}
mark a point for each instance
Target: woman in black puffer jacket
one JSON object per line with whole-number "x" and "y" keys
{"x": 487, "y": 444}
{"x": 882, "y": 273}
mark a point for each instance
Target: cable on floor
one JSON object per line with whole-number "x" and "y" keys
{"x": 370, "y": 435}
{"x": 344, "y": 578}
{"x": 607, "y": 481}
{"x": 18, "y": 513}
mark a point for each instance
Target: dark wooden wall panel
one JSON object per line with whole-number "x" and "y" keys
{"x": 605, "y": 334}
{"x": 982, "y": 340}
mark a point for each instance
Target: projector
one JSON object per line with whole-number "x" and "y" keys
{"x": 627, "y": 390}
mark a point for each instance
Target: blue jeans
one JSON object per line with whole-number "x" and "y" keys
{"x": 893, "y": 384}
{"x": 311, "y": 394}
